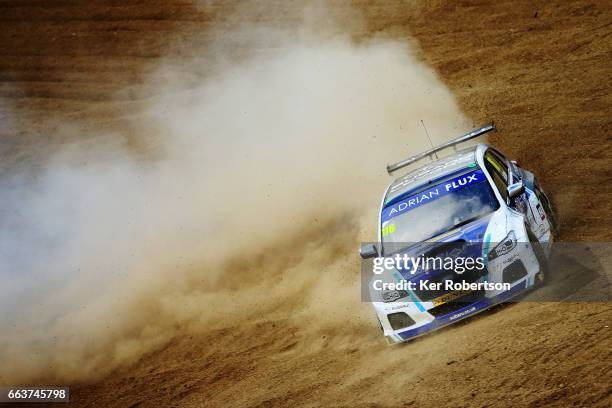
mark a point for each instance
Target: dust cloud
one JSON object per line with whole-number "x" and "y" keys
{"x": 263, "y": 178}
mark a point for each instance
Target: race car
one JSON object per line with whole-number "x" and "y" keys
{"x": 472, "y": 204}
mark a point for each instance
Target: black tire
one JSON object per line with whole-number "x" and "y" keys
{"x": 542, "y": 276}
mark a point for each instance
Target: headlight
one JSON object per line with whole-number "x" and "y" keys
{"x": 504, "y": 247}
{"x": 393, "y": 295}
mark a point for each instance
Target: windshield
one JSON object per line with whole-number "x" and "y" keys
{"x": 433, "y": 211}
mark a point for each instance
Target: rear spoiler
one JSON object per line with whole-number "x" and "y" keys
{"x": 461, "y": 139}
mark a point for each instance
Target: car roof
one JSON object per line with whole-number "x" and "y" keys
{"x": 431, "y": 171}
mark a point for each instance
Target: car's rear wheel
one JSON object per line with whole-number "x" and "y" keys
{"x": 542, "y": 275}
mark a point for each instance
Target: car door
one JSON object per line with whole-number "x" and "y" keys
{"x": 529, "y": 203}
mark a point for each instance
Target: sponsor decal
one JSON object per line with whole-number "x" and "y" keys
{"x": 464, "y": 313}
{"x": 432, "y": 194}
{"x": 541, "y": 212}
{"x": 520, "y": 203}
{"x": 450, "y": 297}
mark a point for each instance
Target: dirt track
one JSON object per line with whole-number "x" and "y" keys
{"x": 541, "y": 72}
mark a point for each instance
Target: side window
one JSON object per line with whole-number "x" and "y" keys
{"x": 498, "y": 170}
{"x": 514, "y": 173}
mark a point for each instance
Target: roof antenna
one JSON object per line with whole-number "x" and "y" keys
{"x": 429, "y": 138}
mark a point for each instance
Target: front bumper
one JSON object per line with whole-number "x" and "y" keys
{"x": 460, "y": 313}
{"x": 521, "y": 271}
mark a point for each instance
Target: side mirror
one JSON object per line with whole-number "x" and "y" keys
{"x": 368, "y": 251}
{"x": 516, "y": 189}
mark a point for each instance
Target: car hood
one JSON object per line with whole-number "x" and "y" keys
{"x": 469, "y": 240}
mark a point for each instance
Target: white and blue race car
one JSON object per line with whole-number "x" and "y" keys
{"x": 474, "y": 203}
